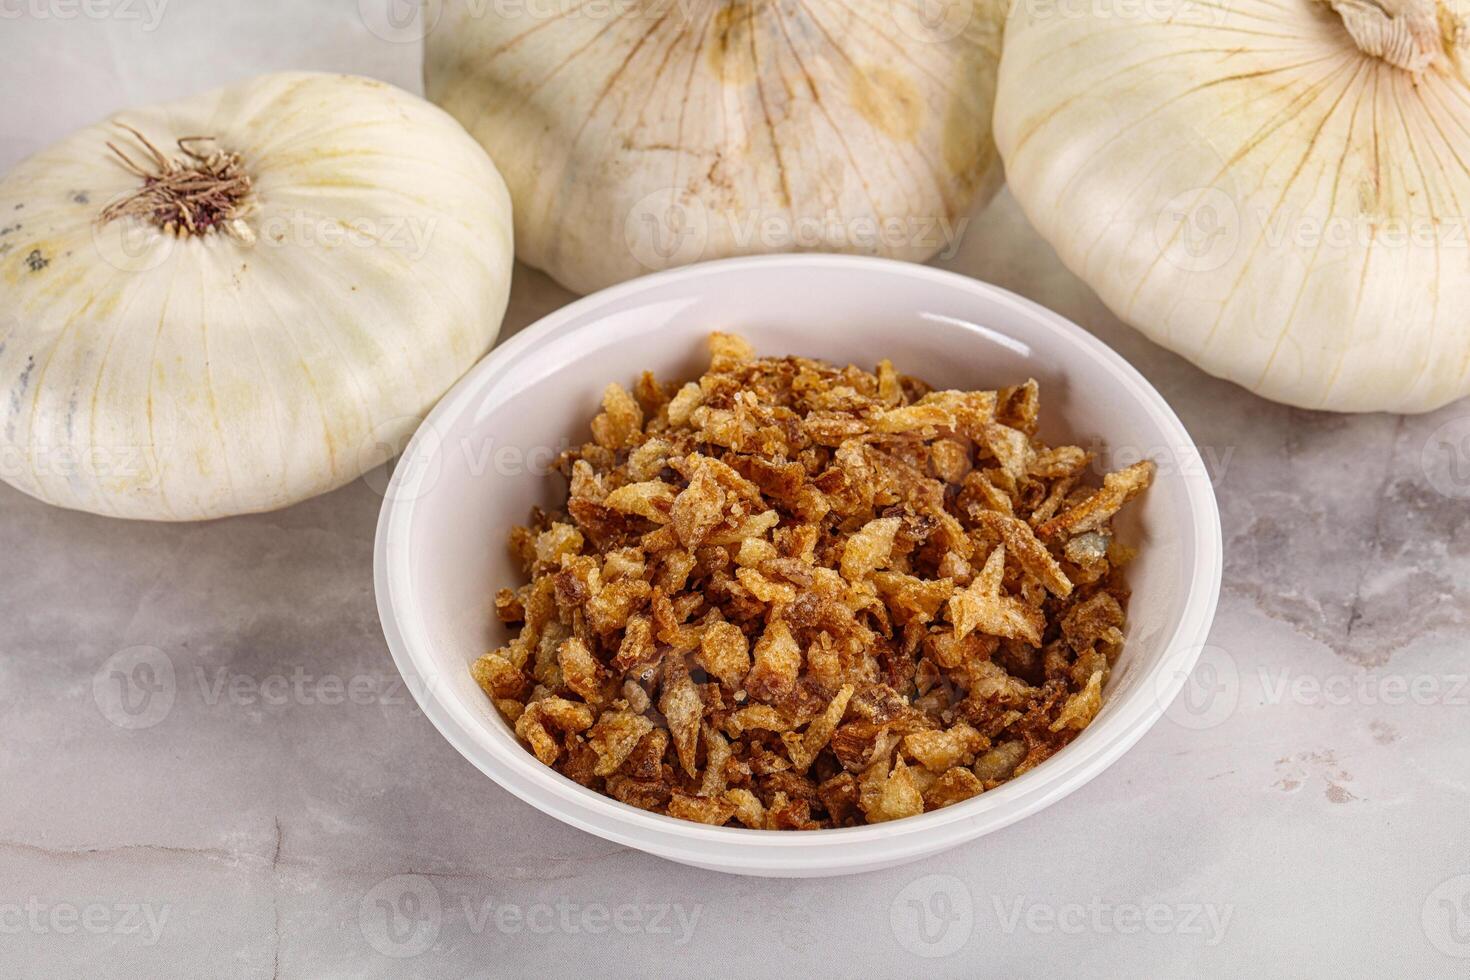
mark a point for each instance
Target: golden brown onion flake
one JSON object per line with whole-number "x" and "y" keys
{"x": 790, "y": 596}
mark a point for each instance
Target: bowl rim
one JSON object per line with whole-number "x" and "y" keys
{"x": 764, "y": 851}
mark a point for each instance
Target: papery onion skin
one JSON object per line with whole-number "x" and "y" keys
{"x": 663, "y": 132}
{"x": 1244, "y": 185}
{"x": 153, "y": 377}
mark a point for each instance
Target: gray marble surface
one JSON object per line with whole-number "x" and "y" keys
{"x": 280, "y": 808}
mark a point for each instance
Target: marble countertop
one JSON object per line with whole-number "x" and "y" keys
{"x": 271, "y": 803}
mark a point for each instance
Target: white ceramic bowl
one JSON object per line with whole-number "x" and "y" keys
{"x": 478, "y": 464}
